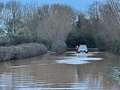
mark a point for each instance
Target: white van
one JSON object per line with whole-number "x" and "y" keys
{"x": 83, "y": 48}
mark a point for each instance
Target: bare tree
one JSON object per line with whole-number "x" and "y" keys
{"x": 1, "y": 6}
{"x": 14, "y": 10}
{"x": 56, "y": 22}
{"x": 108, "y": 24}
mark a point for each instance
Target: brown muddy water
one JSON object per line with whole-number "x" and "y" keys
{"x": 92, "y": 71}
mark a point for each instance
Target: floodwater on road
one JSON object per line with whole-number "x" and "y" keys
{"x": 71, "y": 71}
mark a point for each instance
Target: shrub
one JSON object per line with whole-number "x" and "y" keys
{"x": 58, "y": 46}
{"x": 4, "y": 41}
{"x": 22, "y": 51}
{"x": 115, "y": 47}
{"x": 6, "y": 53}
{"x": 46, "y": 42}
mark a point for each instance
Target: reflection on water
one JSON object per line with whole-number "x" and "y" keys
{"x": 78, "y": 58}
{"x": 54, "y": 73}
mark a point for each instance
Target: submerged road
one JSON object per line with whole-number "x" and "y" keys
{"x": 71, "y": 71}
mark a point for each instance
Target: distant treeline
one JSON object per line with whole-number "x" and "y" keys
{"x": 105, "y": 19}
{"x": 99, "y": 28}
{"x": 59, "y": 26}
{"x": 49, "y": 24}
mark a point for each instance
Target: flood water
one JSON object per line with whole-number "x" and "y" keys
{"x": 92, "y": 71}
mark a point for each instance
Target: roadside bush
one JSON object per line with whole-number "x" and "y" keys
{"x": 46, "y": 42}
{"x": 22, "y": 51}
{"x": 4, "y": 41}
{"x": 59, "y": 46}
{"x": 115, "y": 47}
{"x": 30, "y": 50}
{"x": 6, "y": 53}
